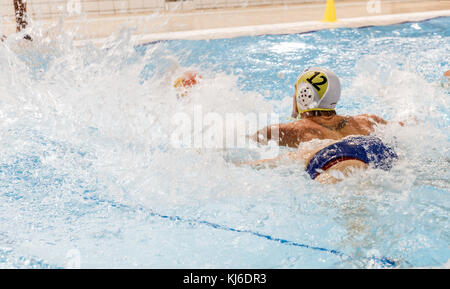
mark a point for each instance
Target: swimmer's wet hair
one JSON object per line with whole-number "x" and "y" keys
{"x": 318, "y": 113}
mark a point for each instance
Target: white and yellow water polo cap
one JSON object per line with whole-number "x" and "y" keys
{"x": 317, "y": 89}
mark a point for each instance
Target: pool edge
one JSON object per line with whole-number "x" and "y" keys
{"x": 277, "y": 29}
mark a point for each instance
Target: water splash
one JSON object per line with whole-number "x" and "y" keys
{"x": 86, "y": 158}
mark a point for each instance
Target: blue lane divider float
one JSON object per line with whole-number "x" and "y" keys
{"x": 383, "y": 262}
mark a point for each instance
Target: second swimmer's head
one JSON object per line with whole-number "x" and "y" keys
{"x": 185, "y": 82}
{"x": 316, "y": 89}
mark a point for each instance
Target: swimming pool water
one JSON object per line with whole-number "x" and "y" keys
{"x": 88, "y": 177}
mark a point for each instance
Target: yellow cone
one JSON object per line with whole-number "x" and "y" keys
{"x": 330, "y": 12}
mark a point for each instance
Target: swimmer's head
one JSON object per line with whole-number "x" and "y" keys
{"x": 447, "y": 74}
{"x": 186, "y": 81}
{"x": 316, "y": 89}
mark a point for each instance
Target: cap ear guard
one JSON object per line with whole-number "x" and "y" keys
{"x": 306, "y": 97}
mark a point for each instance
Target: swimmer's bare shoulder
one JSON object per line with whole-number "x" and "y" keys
{"x": 369, "y": 120}
{"x": 366, "y": 123}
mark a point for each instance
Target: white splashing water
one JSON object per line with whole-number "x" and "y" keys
{"x": 86, "y": 164}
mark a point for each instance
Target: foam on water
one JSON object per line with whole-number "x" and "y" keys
{"x": 86, "y": 161}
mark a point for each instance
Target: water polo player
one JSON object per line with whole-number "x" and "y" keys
{"x": 184, "y": 83}
{"x": 347, "y": 141}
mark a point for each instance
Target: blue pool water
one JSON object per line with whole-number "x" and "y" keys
{"x": 88, "y": 176}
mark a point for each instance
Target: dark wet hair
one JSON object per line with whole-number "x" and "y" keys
{"x": 318, "y": 113}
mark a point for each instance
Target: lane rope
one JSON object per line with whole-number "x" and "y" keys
{"x": 383, "y": 262}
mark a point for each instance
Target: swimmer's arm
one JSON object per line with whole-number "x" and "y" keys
{"x": 272, "y": 163}
{"x": 379, "y": 120}
{"x": 411, "y": 119}
{"x": 285, "y": 134}
{"x": 264, "y": 163}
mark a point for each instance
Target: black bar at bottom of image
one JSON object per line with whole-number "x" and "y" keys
{"x": 221, "y": 278}
{"x": 250, "y": 278}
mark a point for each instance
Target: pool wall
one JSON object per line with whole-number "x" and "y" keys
{"x": 231, "y": 22}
